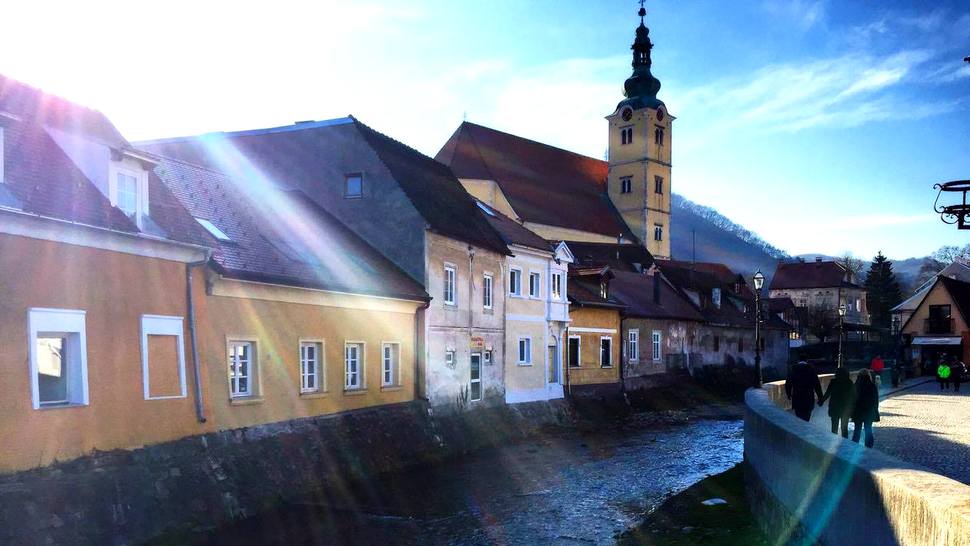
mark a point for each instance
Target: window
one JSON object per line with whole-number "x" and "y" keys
{"x": 716, "y": 297}
{"x": 162, "y": 357}
{"x": 58, "y": 358}
{"x": 658, "y": 184}
{"x": 525, "y": 350}
{"x": 572, "y": 352}
{"x": 126, "y": 196}
{"x": 633, "y": 345}
{"x": 475, "y": 377}
{"x": 311, "y": 366}
{"x": 626, "y": 184}
{"x": 557, "y": 286}
{"x": 241, "y": 362}
{"x": 450, "y": 359}
{"x": 626, "y": 135}
{"x": 658, "y": 136}
{"x": 515, "y": 282}
{"x": 606, "y": 352}
{"x": 390, "y": 355}
{"x": 353, "y": 366}
{"x": 487, "y": 291}
{"x": 658, "y": 232}
{"x": 657, "y": 354}
{"x": 449, "y": 288}
{"x": 213, "y": 230}
{"x": 353, "y": 186}
{"x": 604, "y": 290}
{"x": 487, "y": 355}
{"x": 534, "y": 280}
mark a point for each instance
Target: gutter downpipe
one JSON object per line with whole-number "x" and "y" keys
{"x": 418, "y": 325}
{"x": 197, "y": 369}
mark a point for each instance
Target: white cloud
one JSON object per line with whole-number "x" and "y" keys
{"x": 803, "y": 13}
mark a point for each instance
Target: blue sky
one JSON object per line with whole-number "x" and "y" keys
{"x": 820, "y": 125}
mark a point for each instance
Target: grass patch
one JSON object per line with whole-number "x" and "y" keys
{"x": 683, "y": 520}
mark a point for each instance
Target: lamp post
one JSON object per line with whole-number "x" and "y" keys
{"x": 841, "y": 319}
{"x": 759, "y": 281}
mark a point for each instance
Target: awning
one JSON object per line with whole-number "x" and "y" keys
{"x": 924, "y": 340}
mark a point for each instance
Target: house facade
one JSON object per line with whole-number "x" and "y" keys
{"x": 592, "y": 348}
{"x": 939, "y": 326}
{"x": 415, "y": 212}
{"x": 821, "y": 286}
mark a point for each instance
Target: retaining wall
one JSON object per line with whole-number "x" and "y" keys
{"x": 808, "y": 486}
{"x": 127, "y": 497}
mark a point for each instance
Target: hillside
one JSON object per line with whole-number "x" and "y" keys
{"x": 718, "y": 239}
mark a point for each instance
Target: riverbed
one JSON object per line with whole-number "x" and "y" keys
{"x": 562, "y": 487}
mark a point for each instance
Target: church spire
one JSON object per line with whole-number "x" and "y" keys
{"x": 641, "y": 88}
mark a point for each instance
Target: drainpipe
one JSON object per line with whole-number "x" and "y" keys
{"x": 417, "y": 354}
{"x": 199, "y": 408}
{"x": 623, "y": 350}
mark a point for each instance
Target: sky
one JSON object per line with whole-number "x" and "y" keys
{"x": 819, "y": 125}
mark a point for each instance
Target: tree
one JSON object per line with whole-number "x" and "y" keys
{"x": 882, "y": 291}
{"x": 947, "y": 254}
{"x": 851, "y": 264}
{"x": 927, "y": 270}
{"x": 820, "y": 321}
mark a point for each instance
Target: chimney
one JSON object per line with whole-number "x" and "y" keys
{"x": 656, "y": 288}
{"x": 818, "y": 259}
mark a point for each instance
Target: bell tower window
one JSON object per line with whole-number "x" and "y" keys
{"x": 626, "y": 135}
{"x": 658, "y": 136}
{"x": 626, "y": 184}
{"x": 658, "y": 184}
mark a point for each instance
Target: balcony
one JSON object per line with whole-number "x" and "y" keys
{"x": 938, "y": 326}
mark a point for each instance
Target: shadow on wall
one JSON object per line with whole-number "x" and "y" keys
{"x": 808, "y": 486}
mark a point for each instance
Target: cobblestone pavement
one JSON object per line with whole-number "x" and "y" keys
{"x": 925, "y": 426}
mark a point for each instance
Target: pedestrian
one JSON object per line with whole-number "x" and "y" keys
{"x": 803, "y": 388}
{"x": 841, "y": 396}
{"x": 866, "y": 410}
{"x": 877, "y": 365}
{"x": 958, "y": 373}
{"x": 943, "y": 373}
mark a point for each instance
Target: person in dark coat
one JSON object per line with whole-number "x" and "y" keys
{"x": 803, "y": 388}
{"x": 841, "y": 396}
{"x": 866, "y": 409}
{"x": 958, "y": 373}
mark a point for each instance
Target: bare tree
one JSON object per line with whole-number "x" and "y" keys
{"x": 820, "y": 321}
{"x": 852, "y": 265}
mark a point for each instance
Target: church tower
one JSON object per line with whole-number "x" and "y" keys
{"x": 639, "y": 152}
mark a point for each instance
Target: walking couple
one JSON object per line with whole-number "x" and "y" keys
{"x": 858, "y": 402}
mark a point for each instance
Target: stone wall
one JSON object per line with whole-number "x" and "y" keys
{"x": 808, "y": 486}
{"x": 127, "y": 497}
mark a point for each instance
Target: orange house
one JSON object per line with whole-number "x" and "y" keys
{"x": 144, "y": 300}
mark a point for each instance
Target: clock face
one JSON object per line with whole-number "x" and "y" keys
{"x": 627, "y": 113}
{"x": 660, "y": 114}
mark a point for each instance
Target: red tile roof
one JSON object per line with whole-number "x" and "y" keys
{"x": 544, "y": 184}
{"x": 635, "y": 290}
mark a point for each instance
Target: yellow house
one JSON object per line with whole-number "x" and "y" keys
{"x": 592, "y": 349}
{"x": 938, "y": 327}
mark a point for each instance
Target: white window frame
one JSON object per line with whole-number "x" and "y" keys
{"x": 321, "y": 366}
{"x": 213, "y": 229}
{"x": 361, "y": 359}
{"x": 158, "y": 325}
{"x": 528, "y": 353}
{"x": 395, "y": 363}
{"x": 488, "y": 284}
{"x": 610, "y": 339}
{"x": 451, "y": 276}
{"x": 579, "y": 352}
{"x": 252, "y": 385}
{"x": 141, "y": 199}
{"x": 657, "y": 345}
{"x": 61, "y": 321}
{"x": 515, "y": 282}
{"x": 633, "y": 344}
{"x": 450, "y": 358}
{"x": 555, "y": 290}
{"x": 537, "y": 285}
{"x": 471, "y": 381}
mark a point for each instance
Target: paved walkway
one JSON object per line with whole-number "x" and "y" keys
{"x": 920, "y": 424}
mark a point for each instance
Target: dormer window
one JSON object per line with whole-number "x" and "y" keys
{"x": 213, "y": 229}
{"x": 128, "y": 190}
{"x": 353, "y": 186}
{"x": 716, "y": 297}
{"x": 604, "y": 290}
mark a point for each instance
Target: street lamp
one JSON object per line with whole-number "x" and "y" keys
{"x": 759, "y": 281}
{"x": 841, "y": 319}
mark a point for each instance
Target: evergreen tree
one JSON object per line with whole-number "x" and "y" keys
{"x": 882, "y": 291}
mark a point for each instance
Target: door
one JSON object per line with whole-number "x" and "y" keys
{"x": 475, "y": 387}
{"x": 553, "y": 361}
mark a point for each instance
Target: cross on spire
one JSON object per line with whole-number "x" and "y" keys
{"x": 643, "y": 11}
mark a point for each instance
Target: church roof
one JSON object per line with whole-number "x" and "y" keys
{"x": 544, "y": 184}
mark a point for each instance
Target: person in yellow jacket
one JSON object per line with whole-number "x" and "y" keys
{"x": 943, "y": 375}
